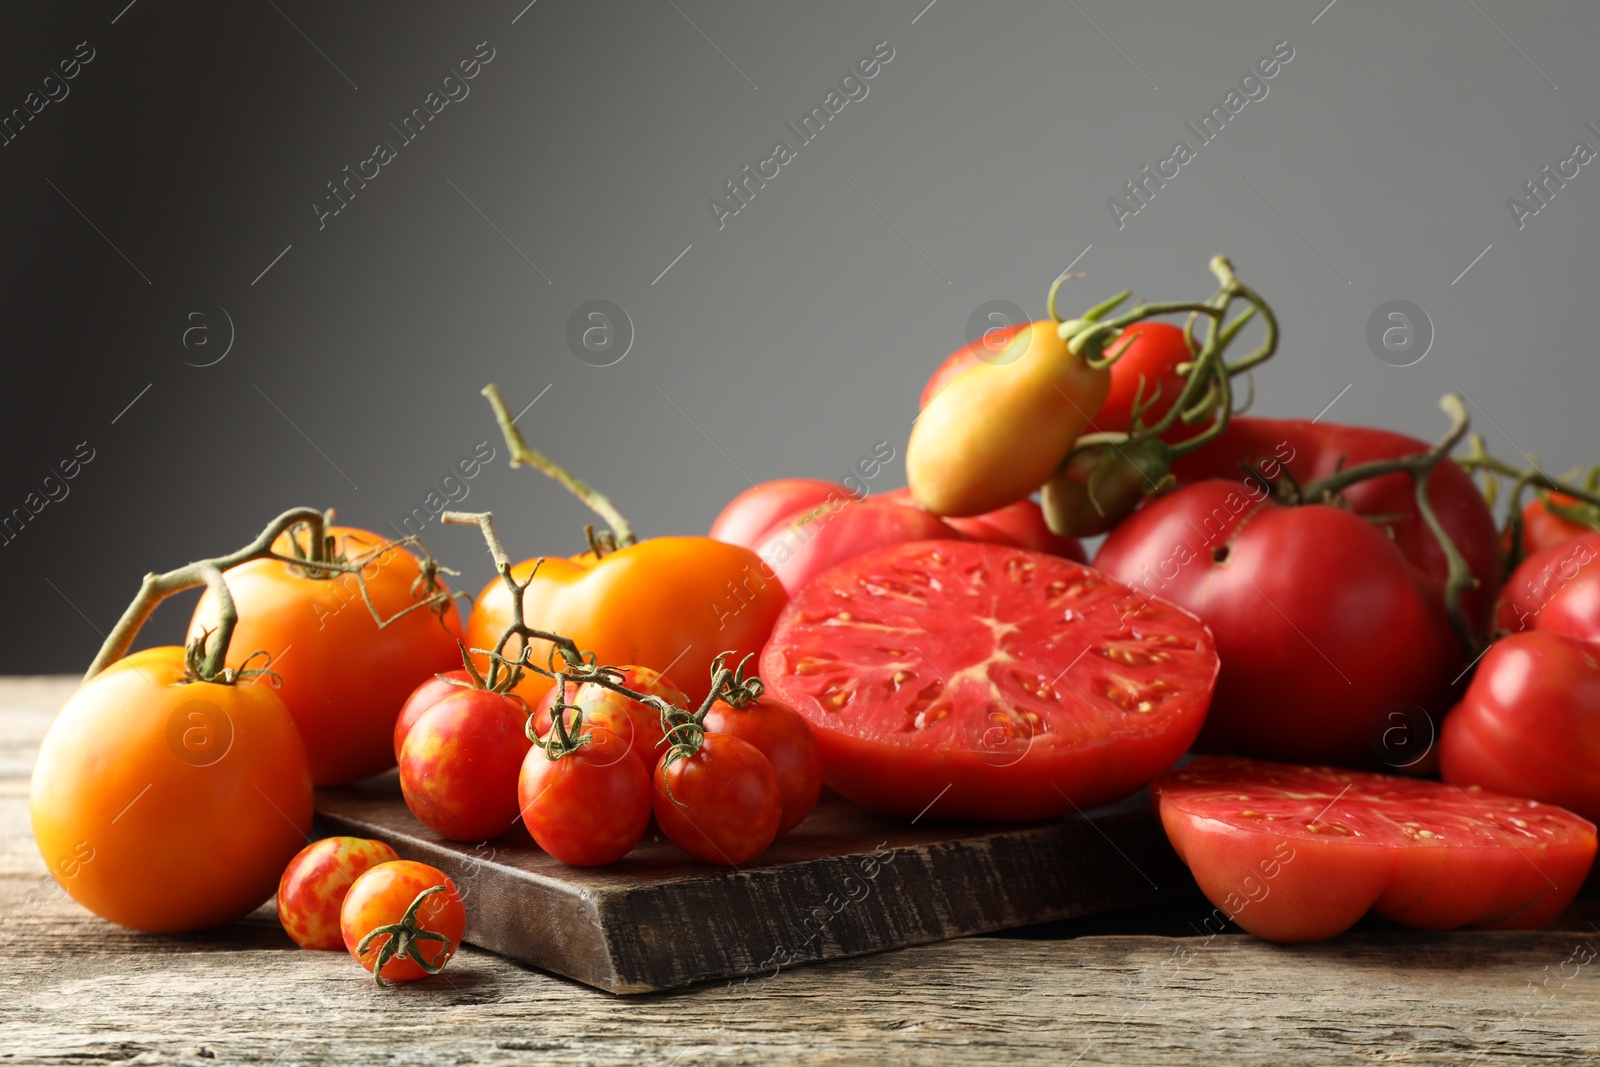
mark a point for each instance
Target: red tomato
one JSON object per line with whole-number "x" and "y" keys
{"x": 638, "y": 725}
{"x": 757, "y": 511}
{"x": 1312, "y": 450}
{"x": 403, "y": 949}
{"x": 167, "y": 804}
{"x": 343, "y": 677}
{"x": 315, "y": 883}
{"x": 589, "y": 807}
{"x": 1323, "y": 626}
{"x": 422, "y": 698}
{"x": 723, "y": 804}
{"x": 1529, "y": 724}
{"x": 667, "y": 602}
{"x": 1543, "y": 528}
{"x": 459, "y": 765}
{"x": 1300, "y": 853}
{"x": 799, "y": 551}
{"x": 987, "y": 682}
{"x": 1021, "y": 524}
{"x": 986, "y": 348}
{"x": 1556, "y": 589}
{"x": 786, "y": 739}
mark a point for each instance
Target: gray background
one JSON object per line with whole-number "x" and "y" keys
{"x": 786, "y": 343}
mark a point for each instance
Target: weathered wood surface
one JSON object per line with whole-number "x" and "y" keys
{"x": 75, "y": 990}
{"x": 843, "y": 883}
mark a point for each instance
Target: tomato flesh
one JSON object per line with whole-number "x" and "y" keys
{"x": 983, "y": 681}
{"x": 1294, "y": 853}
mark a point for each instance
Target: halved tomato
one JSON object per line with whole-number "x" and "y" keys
{"x": 1296, "y": 853}
{"x": 984, "y": 681}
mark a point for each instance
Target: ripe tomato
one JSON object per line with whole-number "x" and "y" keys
{"x": 997, "y": 431}
{"x": 1300, "y": 853}
{"x": 1556, "y": 589}
{"x": 666, "y": 603}
{"x": 786, "y": 739}
{"x": 802, "y": 549}
{"x": 1312, "y": 450}
{"x": 169, "y": 805}
{"x": 424, "y": 697}
{"x": 1543, "y": 528}
{"x": 723, "y": 804}
{"x": 986, "y": 349}
{"x": 987, "y": 682}
{"x": 313, "y": 887}
{"x": 589, "y": 807}
{"x": 1021, "y": 524}
{"x": 408, "y": 945}
{"x": 459, "y": 764}
{"x": 638, "y": 725}
{"x": 1322, "y": 625}
{"x": 1529, "y": 724}
{"x": 754, "y": 513}
{"x": 343, "y": 678}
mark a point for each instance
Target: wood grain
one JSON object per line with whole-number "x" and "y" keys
{"x": 75, "y": 990}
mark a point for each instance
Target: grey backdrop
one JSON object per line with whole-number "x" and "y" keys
{"x": 141, "y": 209}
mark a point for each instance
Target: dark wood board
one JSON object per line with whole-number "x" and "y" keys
{"x": 843, "y": 883}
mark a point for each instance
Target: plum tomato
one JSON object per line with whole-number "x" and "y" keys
{"x": 313, "y": 887}
{"x": 985, "y": 349}
{"x": 1309, "y": 451}
{"x": 168, "y": 804}
{"x": 997, "y": 431}
{"x": 1529, "y": 724}
{"x": 424, "y": 697}
{"x": 723, "y": 804}
{"x": 988, "y": 682}
{"x": 343, "y": 677}
{"x": 1556, "y": 589}
{"x": 786, "y": 739}
{"x": 669, "y": 603}
{"x": 589, "y": 806}
{"x": 804, "y": 547}
{"x": 459, "y": 764}
{"x": 1322, "y": 625}
{"x": 1295, "y": 853}
{"x": 638, "y": 725}
{"x": 403, "y": 920}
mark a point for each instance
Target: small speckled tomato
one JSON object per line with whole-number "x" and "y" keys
{"x": 638, "y": 725}
{"x": 722, "y": 804}
{"x": 459, "y": 764}
{"x": 423, "y": 698}
{"x": 314, "y": 885}
{"x": 410, "y": 917}
{"x": 590, "y": 806}
{"x": 784, "y": 736}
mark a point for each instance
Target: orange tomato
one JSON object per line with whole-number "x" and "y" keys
{"x": 668, "y": 603}
{"x": 169, "y": 805}
{"x": 380, "y": 898}
{"x": 344, "y": 678}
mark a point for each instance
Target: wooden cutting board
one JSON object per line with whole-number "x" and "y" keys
{"x": 844, "y": 882}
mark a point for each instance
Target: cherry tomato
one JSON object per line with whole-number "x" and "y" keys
{"x": 987, "y": 682}
{"x": 723, "y": 804}
{"x": 1556, "y": 518}
{"x": 380, "y": 901}
{"x": 786, "y": 739}
{"x": 1322, "y": 625}
{"x": 802, "y": 549}
{"x": 589, "y": 807}
{"x": 1300, "y": 853}
{"x": 313, "y": 887}
{"x": 1529, "y": 724}
{"x": 169, "y": 805}
{"x": 997, "y": 431}
{"x": 754, "y": 513}
{"x": 424, "y": 697}
{"x": 343, "y": 677}
{"x": 666, "y": 603}
{"x": 1556, "y": 589}
{"x": 1309, "y": 451}
{"x": 459, "y": 765}
{"x": 638, "y": 725}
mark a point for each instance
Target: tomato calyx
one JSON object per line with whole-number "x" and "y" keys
{"x": 196, "y": 660}
{"x": 404, "y": 937}
{"x": 1106, "y": 474}
{"x": 1581, "y": 490}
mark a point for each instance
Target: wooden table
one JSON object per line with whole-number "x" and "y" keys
{"x": 1131, "y": 988}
